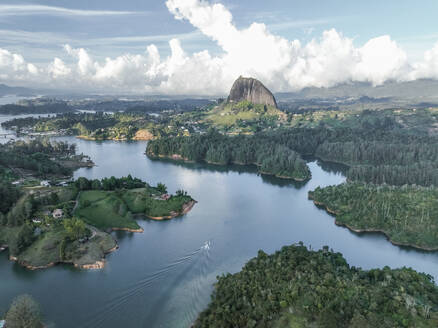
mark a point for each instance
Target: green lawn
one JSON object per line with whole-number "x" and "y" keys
{"x": 142, "y": 202}
{"x": 114, "y": 209}
{"x": 104, "y": 211}
{"x": 45, "y": 249}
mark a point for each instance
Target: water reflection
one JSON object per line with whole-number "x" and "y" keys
{"x": 240, "y": 169}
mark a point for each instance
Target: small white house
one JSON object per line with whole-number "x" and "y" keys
{"x": 58, "y": 213}
{"x": 36, "y": 220}
{"x": 45, "y": 183}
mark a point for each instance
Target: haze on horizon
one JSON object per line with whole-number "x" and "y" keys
{"x": 200, "y": 47}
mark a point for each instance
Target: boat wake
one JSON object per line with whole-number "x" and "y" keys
{"x": 199, "y": 258}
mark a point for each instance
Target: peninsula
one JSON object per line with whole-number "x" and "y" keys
{"x": 407, "y": 215}
{"x": 45, "y": 226}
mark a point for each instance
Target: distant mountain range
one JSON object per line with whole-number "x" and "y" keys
{"x": 6, "y": 90}
{"x": 417, "y": 91}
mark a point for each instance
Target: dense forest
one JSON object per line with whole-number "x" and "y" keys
{"x": 408, "y": 215}
{"x": 213, "y": 147}
{"x": 296, "y": 287}
{"x": 9, "y": 194}
{"x": 371, "y": 153}
{"x": 38, "y": 156}
{"x": 46, "y": 108}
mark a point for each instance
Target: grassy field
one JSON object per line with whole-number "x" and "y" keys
{"x": 141, "y": 202}
{"x": 7, "y": 233}
{"x": 45, "y": 249}
{"x": 114, "y": 209}
{"x": 230, "y": 114}
{"x": 104, "y": 210}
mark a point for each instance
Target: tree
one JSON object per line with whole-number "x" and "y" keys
{"x": 21, "y": 240}
{"x": 24, "y": 313}
{"x": 181, "y": 192}
{"x": 96, "y": 184}
{"x": 75, "y": 228}
{"x": 83, "y": 183}
{"x": 161, "y": 187}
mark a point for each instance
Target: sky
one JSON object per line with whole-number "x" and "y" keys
{"x": 200, "y": 47}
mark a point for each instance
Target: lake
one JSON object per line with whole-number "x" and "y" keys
{"x": 164, "y": 276}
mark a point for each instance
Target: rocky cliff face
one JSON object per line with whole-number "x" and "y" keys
{"x": 251, "y": 90}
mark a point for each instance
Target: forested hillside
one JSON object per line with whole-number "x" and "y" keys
{"x": 296, "y": 287}
{"x": 408, "y": 215}
{"x": 40, "y": 157}
{"x": 213, "y": 147}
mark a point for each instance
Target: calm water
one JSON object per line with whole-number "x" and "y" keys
{"x": 164, "y": 277}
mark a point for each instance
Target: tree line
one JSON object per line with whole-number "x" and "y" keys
{"x": 38, "y": 156}
{"x": 407, "y": 214}
{"x": 213, "y": 147}
{"x": 108, "y": 184}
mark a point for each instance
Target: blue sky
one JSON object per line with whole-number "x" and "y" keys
{"x": 37, "y": 30}
{"x": 407, "y": 22}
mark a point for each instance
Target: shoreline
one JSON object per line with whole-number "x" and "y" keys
{"x": 98, "y": 264}
{"x": 135, "y": 138}
{"x": 177, "y": 157}
{"x": 140, "y": 230}
{"x": 185, "y": 209}
{"x": 371, "y": 230}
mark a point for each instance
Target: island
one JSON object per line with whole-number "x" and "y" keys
{"x": 298, "y": 287}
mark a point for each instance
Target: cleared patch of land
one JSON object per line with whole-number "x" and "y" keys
{"x": 115, "y": 209}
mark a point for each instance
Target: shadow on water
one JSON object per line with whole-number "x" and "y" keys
{"x": 329, "y": 167}
{"x": 121, "y": 235}
{"x": 240, "y": 169}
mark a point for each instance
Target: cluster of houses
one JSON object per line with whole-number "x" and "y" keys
{"x": 46, "y": 183}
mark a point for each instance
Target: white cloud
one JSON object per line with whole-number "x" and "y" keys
{"x": 14, "y": 10}
{"x": 13, "y": 66}
{"x": 283, "y": 65}
{"x": 58, "y": 69}
{"x": 381, "y": 60}
{"x": 428, "y": 68}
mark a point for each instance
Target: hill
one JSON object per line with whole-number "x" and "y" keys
{"x": 296, "y": 287}
{"x": 249, "y": 101}
{"x": 251, "y": 90}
